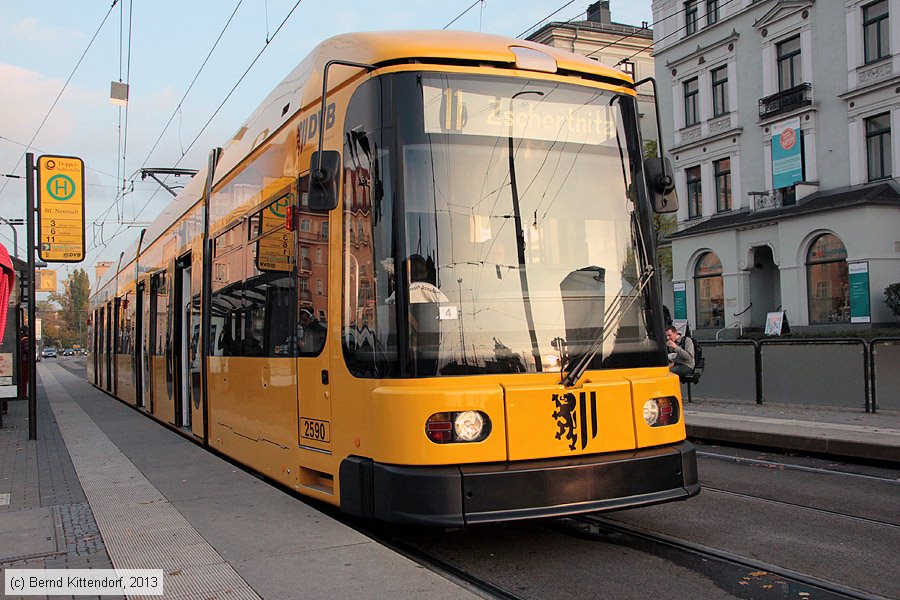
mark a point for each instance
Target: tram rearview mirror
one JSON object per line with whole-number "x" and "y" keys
{"x": 661, "y": 185}
{"x": 323, "y": 180}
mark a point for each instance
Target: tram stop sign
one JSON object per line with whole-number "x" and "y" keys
{"x": 60, "y": 206}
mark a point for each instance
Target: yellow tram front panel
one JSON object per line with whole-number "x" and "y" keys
{"x": 551, "y": 420}
{"x": 400, "y": 414}
{"x": 663, "y": 385}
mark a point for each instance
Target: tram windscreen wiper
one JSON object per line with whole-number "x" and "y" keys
{"x": 616, "y": 310}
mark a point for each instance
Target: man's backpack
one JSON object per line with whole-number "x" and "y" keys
{"x": 698, "y": 353}
{"x": 699, "y": 362}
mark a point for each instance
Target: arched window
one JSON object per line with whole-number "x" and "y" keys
{"x": 710, "y": 291}
{"x": 828, "y": 280}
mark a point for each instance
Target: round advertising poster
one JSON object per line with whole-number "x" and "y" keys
{"x": 788, "y": 138}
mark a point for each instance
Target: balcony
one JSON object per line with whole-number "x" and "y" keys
{"x": 786, "y": 101}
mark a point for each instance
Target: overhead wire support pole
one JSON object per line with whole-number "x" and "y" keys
{"x": 176, "y": 172}
{"x": 32, "y": 348}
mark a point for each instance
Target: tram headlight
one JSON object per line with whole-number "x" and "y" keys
{"x": 661, "y": 411}
{"x": 468, "y": 425}
{"x": 455, "y": 427}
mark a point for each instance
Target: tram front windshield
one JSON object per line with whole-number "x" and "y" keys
{"x": 522, "y": 238}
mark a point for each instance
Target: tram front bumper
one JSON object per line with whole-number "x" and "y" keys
{"x": 458, "y": 495}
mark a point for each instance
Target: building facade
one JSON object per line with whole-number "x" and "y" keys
{"x": 617, "y": 45}
{"x": 778, "y": 119}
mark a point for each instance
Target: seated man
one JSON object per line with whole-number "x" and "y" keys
{"x": 311, "y": 334}
{"x": 681, "y": 352}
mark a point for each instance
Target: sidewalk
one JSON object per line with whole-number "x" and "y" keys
{"x": 104, "y": 486}
{"x": 837, "y": 432}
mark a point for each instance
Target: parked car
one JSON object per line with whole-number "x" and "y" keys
{"x": 49, "y": 353}
{"x": 68, "y": 352}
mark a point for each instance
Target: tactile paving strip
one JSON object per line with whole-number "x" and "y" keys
{"x": 140, "y": 527}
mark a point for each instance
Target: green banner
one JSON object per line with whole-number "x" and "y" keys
{"x": 860, "y": 311}
{"x": 680, "y": 301}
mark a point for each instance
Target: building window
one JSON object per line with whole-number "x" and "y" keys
{"x": 723, "y": 184}
{"x": 691, "y": 17}
{"x": 627, "y": 67}
{"x": 789, "y": 72}
{"x": 878, "y": 146}
{"x": 720, "y": 91}
{"x": 305, "y": 225}
{"x": 876, "y": 31}
{"x": 691, "y": 102}
{"x": 712, "y": 12}
{"x": 694, "y": 192}
{"x": 710, "y": 291}
{"x": 828, "y": 281}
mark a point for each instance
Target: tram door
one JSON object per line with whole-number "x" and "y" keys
{"x": 114, "y": 345}
{"x": 140, "y": 373}
{"x": 181, "y": 359}
{"x": 108, "y": 347}
{"x": 99, "y": 340}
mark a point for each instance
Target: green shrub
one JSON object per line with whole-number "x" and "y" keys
{"x": 892, "y": 298}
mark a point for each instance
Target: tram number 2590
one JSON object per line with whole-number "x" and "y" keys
{"x": 312, "y": 429}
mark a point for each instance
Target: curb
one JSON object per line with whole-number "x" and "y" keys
{"x": 815, "y": 445}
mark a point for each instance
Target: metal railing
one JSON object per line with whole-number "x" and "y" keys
{"x": 735, "y": 325}
{"x": 785, "y": 101}
{"x": 783, "y": 373}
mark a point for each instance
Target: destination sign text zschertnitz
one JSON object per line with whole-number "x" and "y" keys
{"x": 60, "y": 205}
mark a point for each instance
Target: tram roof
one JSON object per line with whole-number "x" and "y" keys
{"x": 303, "y": 85}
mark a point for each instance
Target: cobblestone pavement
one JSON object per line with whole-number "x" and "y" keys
{"x": 39, "y": 475}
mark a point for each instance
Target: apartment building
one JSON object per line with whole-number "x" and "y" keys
{"x": 778, "y": 118}
{"x": 617, "y": 45}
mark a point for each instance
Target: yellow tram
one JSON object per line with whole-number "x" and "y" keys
{"x": 417, "y": 284}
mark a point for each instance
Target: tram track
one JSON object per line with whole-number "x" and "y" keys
{"x": 435, "y": 563}
{"x": 814, "y": 509}
{"x": 599, "y": 528}
{"x": 793, "y": 467}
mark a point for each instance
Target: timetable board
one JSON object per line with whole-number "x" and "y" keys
{"x": 60, "y": 205}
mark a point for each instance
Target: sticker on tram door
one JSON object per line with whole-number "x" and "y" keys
{"x": 576, "y": 417}
{"x": 315, "y": 430}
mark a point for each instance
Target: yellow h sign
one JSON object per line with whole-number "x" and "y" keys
{"x": 60, "y": 205}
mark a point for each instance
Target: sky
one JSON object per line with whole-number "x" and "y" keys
{"x": 42, "y": 42}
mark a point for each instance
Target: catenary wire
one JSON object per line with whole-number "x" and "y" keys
{"x": 459, "y": 16}
{"x": 59, "y": 95}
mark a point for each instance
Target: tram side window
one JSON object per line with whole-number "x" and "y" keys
{"x": 125, "y": 325}
{"x": 269, "y": 288}
{"x": 369, "y": 341}
{"x": 312, "y": 326}
{"x": 253, "y": 287}
{"x": 159, "y": 315}
{"x": 227, "y": 300}
{"x": 101, "y": 333}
